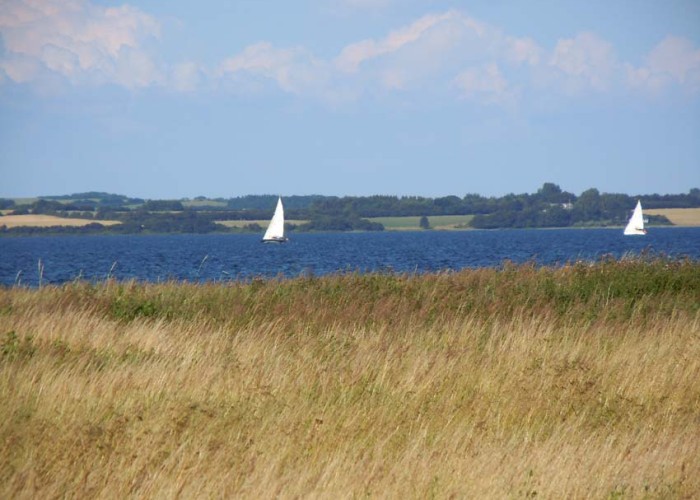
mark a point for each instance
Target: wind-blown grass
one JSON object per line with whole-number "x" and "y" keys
{"x": 579, "y": 381}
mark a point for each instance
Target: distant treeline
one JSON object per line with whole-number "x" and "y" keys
{"x": 550, "y": 206}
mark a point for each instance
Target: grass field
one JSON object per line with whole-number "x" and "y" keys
{"x": 413, "y": 223}
{"x": 679, "y": 216}
{"x": 38, "y": 220}
{"x": 25, "y": 201}
{"x": 574, "y": 382}
{"x": 204, "y": 203}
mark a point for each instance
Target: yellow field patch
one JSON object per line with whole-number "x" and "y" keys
{"x": 39, "y": 220}
{"x": 679, "y": 216}
{"x": 412, "y": 223}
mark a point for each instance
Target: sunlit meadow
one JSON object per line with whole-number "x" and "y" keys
{"x": 572, "y": 382}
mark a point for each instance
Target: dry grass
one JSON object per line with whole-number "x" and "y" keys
{"x": 579, "y": 382}
{"x": 38, "y": 220}
{"x": 679, "y": 216}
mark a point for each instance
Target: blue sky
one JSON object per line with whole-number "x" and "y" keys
{"x": 348, "y": 97}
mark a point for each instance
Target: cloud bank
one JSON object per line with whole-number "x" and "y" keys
{"x": 452, "y": 53}
{"x": 673, "y": 61}
{"x": 79, "y": 41}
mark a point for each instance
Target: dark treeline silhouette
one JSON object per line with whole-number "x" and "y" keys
{"x": 264, "y": 202}
{"x": 101, "y": 197}
{"x": 550, "y": 206}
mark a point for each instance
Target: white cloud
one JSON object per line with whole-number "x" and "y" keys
{"x": 78, "y": 40}
{"x": 523, "y": 50}
{"x": 485, "y": 84}
{"x": 431, "y": 50}
{"x": 429, "y": 53}
{"x": 674, "y": 60}
{"x": 294, "y": 70}
{"x": 585, "y": 62}
{"x": 20, "y": 69}
{"x": 442, "y": 51}
{"x": 353, "y": 55}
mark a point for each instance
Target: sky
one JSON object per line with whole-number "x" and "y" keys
{"x": 224, "y": 98}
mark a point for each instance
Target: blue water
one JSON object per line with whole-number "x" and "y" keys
{"x": 225, "y": 257}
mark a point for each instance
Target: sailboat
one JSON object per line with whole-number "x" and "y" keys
{"x": 275, "y": 231}
{"x": 636, "y": 223}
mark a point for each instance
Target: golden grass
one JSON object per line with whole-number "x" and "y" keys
{"x": 39, "y": 220}
{"x": 679, "y": 216}
{"x": 579, "y": 382}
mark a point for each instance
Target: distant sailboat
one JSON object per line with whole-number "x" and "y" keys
{"x": 275, "y": 231}
{"x": 636, "y": 223}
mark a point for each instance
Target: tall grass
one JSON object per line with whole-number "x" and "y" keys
{"x": 581, "y": 381}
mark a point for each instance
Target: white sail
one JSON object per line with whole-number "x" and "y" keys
{"x": 636, "y": 222}
{"x": 275, "y": 231}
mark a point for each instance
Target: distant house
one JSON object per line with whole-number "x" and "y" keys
{"x": 565, "y": 206}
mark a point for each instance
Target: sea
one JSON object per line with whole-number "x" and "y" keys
{"x": 41, "y": 260}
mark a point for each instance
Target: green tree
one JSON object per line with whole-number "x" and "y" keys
{"x": 163, "y": 206}
{"x": 588, "y": 205}
{"x": 549, "y": 192}
{"x": 6, "y": 203}
{"x": 424, "y": 222}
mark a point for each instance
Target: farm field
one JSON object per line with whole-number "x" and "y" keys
{"x": 204, "y": 203}
{"x": 679, "y": 216}
{"x": 413, "y": 223}
{"x": 571, "y": 382}
{"x": 39, "y": 220}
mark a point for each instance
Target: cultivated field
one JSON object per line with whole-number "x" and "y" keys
{"x": 577, "y": 382}
{"x": 679, "y": 216}
{"x": 38, "y": 220}
{"x": 413, "y": 223}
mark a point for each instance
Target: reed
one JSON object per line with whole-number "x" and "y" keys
{"x": 577, "y": 381}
